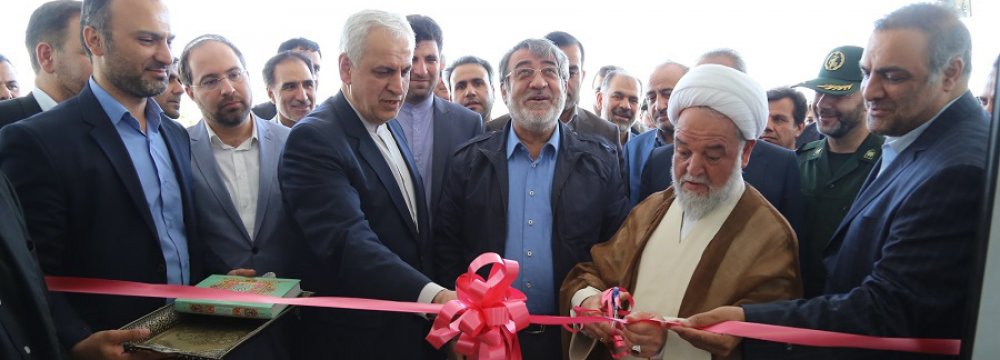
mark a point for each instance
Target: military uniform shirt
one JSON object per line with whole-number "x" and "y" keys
{"x": 828, "y": 195}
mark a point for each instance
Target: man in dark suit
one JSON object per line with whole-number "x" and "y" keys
{"x": 434, "y": 127}
{"x": 533, "y": 192}
{"x": 772, "y": 170}
{"x": 105, "y": 179}
{"x": 900, "y": 263}
{"x": 351, "y": 185}
{"x": 57, "y": 56}
{"x": 26, "y": 327}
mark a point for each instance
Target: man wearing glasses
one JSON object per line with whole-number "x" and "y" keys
{"x": 235, "y": 169}
{"x": 534, "y": 191}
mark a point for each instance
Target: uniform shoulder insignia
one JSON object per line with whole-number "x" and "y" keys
{"x": 870, "y": 154}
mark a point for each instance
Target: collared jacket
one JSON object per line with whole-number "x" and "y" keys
{"x": 589, "y": 203}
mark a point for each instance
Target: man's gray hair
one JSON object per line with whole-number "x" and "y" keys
{"x": 731, "y": 54}
{"x": 358, "y": 26}
{"x": 947, "y": 37}
{"x": 541, "y": 48}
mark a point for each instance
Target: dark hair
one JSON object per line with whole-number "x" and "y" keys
{"x": 729, "y": 53}
{"x": 198, "y": 41}
{"x": 48, "y": 23}
{"x": 947, "y": 37}
{"x": 469, "y": 59}
{"x": 798, "y": 101}
{"x": 280, "y": 58}
{"x": 426, "y": 28}
{"x": 562, "y": 38}
{"x": 300, "y": 43}
{"x": 96, "y": 14}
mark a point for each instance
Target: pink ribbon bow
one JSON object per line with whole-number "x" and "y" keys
{"x": 487, "y": 314}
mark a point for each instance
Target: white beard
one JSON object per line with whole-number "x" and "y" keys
{"x": 695, "y": 205}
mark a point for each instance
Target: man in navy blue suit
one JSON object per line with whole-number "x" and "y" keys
{"x": 349, "y": 182}
{"x": 105, "y": 179}
{"x": 900, "y": 262}
{"x": 434, "y": 127}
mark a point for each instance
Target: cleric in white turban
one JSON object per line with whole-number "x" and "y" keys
{"x": 720, "y": 243}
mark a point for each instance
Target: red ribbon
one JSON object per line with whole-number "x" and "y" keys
{"x": 487, "y": 314}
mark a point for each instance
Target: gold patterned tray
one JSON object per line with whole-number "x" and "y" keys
{"x": 193, "y": 336}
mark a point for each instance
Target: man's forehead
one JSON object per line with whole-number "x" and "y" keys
{"x": 572, "y": 52}
{"x": 524, "y": 57}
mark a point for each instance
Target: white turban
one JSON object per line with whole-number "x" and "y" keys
{"x": 725, "y": 90}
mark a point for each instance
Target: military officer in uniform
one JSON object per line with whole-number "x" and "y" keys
{"x": 833, "y": 169}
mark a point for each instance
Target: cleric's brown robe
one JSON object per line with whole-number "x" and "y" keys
{"x": 752, "y": 259}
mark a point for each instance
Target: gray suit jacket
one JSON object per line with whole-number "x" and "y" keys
{"x": 273, "y": 246}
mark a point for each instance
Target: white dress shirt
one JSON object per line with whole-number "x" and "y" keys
{"x": 240, "y": 170}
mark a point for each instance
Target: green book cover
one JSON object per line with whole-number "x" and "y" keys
{"x": 257, "y": 285}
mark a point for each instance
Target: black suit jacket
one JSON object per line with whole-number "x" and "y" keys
{"x": 14, "y": 239}
{"x": 341, "y": 193}
{"x": 588, "y": 203}
{"x": 772, "y": 170}
{"x": 900, "y": 262}
{"x": 86, "y": 211}
{"x": 18, "y": 108}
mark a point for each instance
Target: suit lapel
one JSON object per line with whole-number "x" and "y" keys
{"x": 370, "y": 153}
{"x": 107, "y": 138}
{"x": 204, "y": 160}
{"x": 269, "y": 153}
{"x": 411, "y": 166}
{"x": 441, "y": 150}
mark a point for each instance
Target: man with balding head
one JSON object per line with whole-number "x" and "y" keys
{"x": 686, "y": 249}
{"x": 60, "y": 63}
{"x": 901, "y": 262}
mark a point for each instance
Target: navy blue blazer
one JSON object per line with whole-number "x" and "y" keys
{"x": 39, "y": 330}
{"x": 15, "y": 109}
{"x": 588, "y": 201}
{"x": 340, "y": 192}
{"x": 636, "y": 154}
{"x": 86, "y": 211}
{"x": 901, "y": 260}
{"x": 772, "y": 170}
{"x": 453, "y": 126}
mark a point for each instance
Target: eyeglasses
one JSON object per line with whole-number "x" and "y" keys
{"x": 550, "y": 73}
{"x": 235, "y": 76}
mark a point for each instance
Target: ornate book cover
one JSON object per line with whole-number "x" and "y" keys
{"x": 262, "y": 286}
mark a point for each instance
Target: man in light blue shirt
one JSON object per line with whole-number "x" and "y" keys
{"x": 536, "y": 192}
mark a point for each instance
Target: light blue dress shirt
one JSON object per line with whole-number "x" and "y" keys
{"x": 529, "y": 220}
{"x": 151, "y": 160}
{"x": 417, "y": 121}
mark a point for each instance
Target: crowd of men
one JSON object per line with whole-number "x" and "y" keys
{"x": 704, "y": 195}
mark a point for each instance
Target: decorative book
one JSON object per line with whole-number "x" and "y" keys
{"x": 261, "y": 286}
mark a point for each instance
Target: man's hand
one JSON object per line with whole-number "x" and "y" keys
{"x": 720, "y": 345}
{"x": 444, "y": 296}
{"x": 108, "y": 344}
{"x": 649, "y": 336}
{"x": 601, "y": 331}
{"x": 242, "y": 272}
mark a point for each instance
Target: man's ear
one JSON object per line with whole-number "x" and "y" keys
{"x": 952, "y": 73}
{"x": 344, "y": 63}
{"x": 747, "y": 149}
{"x": 599, "y": 104}
{"x": 93, "y": 40}
{"x": 43, "y": 52}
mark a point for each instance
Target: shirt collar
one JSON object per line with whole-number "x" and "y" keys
{"x": 116, "y": 111}
{"x": 902, "y": 142}
{"x": 45, "y": 101}
{"x": 513, "y": 141}
{"x": 212, "y": 136}
{"x": 419, "y": 107}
